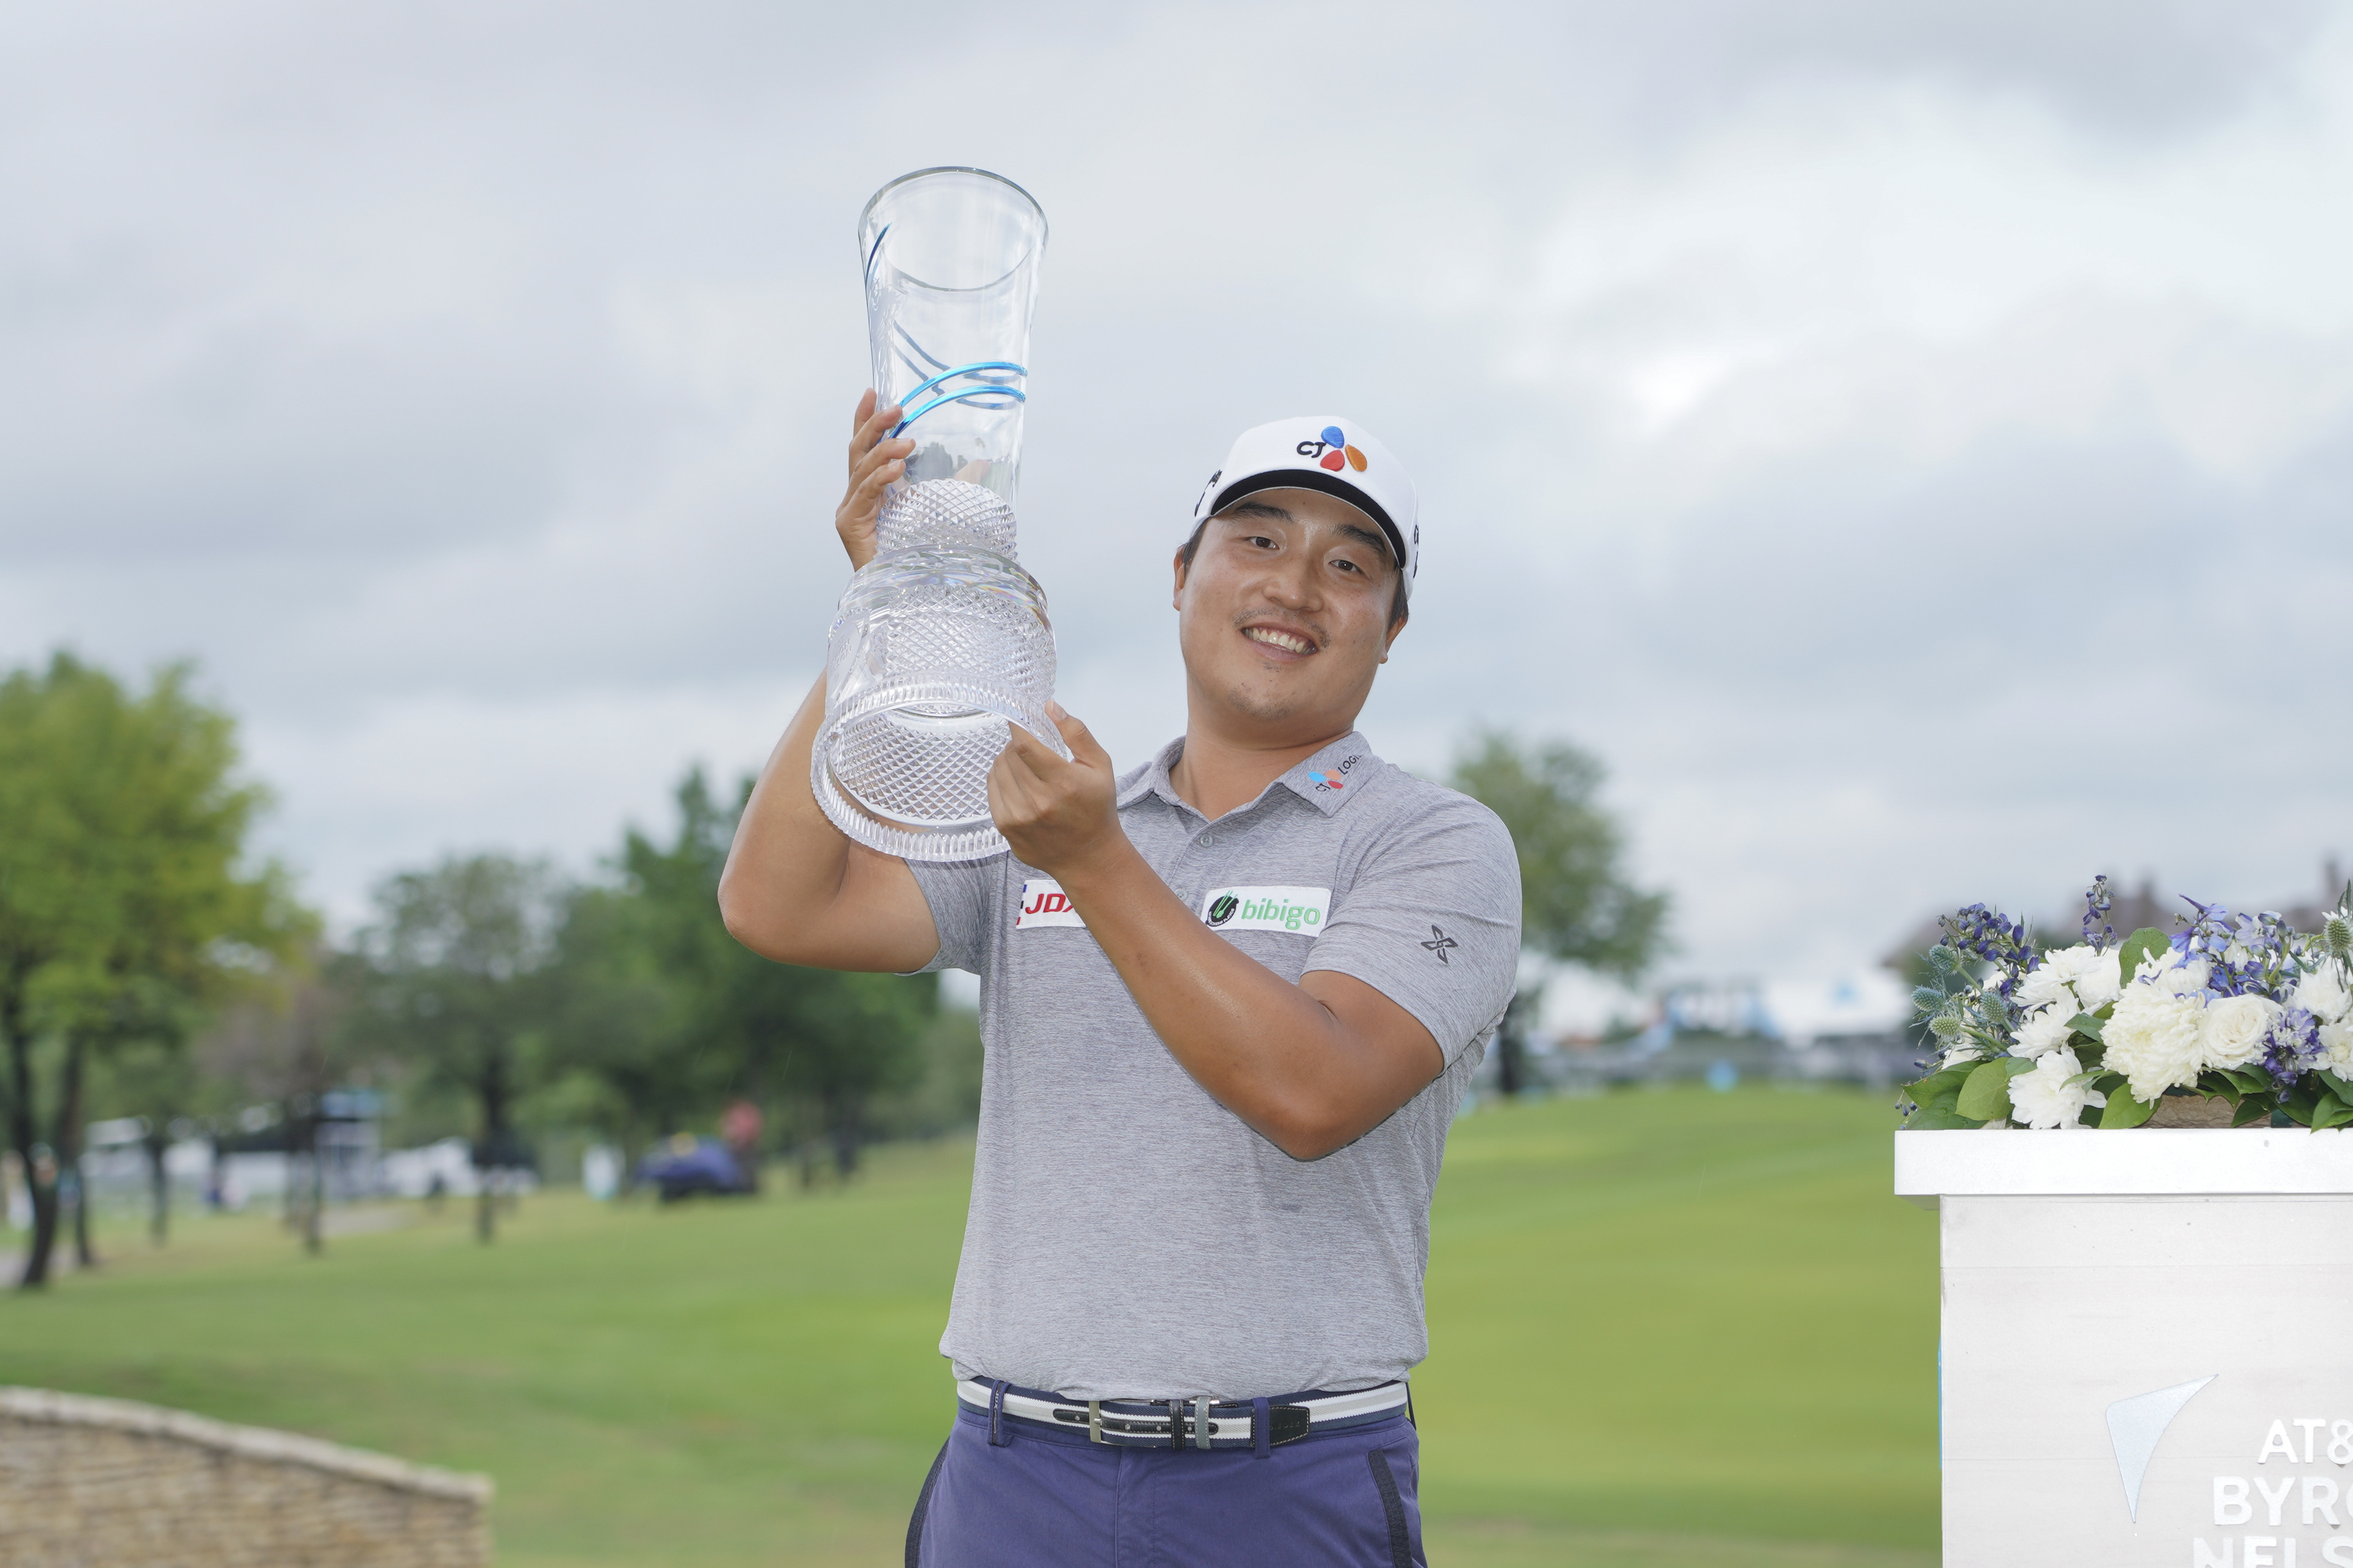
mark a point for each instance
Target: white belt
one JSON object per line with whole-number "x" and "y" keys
{"x": 1204, "y": 1421}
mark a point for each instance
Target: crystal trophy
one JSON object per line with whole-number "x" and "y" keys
{"x": 941, "y": 641}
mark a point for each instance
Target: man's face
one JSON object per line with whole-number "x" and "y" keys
{"x": 1284, "y": 615}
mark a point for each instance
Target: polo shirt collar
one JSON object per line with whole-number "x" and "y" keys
{"x": 1324, "y": 780}
{"x": 1321, "y": 780}
{"x": 1153, "y": 778}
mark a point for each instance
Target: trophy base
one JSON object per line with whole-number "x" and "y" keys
{"x": 906, "y": 770}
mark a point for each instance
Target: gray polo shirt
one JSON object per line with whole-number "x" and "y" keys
{"x": 1129, "y": 1236}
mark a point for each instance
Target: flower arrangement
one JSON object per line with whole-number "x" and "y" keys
{"x": 2242, "y": 1008}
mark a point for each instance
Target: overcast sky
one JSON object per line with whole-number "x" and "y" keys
{"x": 1912, "y": 445}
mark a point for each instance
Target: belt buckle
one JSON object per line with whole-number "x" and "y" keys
{"x": 1094, "y": 1423}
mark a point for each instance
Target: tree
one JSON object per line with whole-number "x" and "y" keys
{"x": 156, "y": 1080}
{"x": 282, "y": 1042}
{"x": 456, "y": 982}
{"x": 618, "y": 1023}
{"x": 832, "y": 1042}
{"x": 670, "y": 1013}
{"x": 124, "y": 901}
{"x": 1576, "y": 905}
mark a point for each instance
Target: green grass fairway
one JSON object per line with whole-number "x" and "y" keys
{"x": 1667, "y": 1328}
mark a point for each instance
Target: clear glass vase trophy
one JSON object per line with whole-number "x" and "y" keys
{"x": 941, "y": 641}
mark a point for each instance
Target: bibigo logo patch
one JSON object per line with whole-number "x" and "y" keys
{"x": 1300, "y": 909}
{"x": 1333, "y": 451}
{"x": 1043, "y": 903}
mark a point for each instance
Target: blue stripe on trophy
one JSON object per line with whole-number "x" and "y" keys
{"x": 999, "y": 386}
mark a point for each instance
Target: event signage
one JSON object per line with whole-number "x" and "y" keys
{"x": 2145, "y": 1357}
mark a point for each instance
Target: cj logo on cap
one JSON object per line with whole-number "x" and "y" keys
{"x": 1333, "y": 451}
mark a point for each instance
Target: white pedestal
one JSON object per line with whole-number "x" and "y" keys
{"x": 2083, "y": 1270}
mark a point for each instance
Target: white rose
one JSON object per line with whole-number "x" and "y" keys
{"x": 2155, "y": 1039}
{"x": 2235, "y": 1027}
{"x": 2043, "y": 1098}
{"x": 2043, "y": 1031}
{"x": 2337, "y": 1048}
{"x": 2323, "y": 994}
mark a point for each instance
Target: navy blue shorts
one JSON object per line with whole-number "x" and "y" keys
{"x": 1050, "y": 1499}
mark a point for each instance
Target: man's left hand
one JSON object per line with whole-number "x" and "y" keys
{"x": 1061, "y": 818}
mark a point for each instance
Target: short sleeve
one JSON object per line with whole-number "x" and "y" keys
{"x": 1433, "y": 921}
{"x": 961, "y": 893}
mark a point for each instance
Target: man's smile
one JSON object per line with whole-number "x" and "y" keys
{"x": 1281, "y": 639}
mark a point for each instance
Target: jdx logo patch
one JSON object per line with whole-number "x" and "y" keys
{"x": 1043, "y": 903}
{"x": 1267, "y": 909}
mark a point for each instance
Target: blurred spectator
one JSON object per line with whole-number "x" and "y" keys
{"x": 686, "y": 1165}
{"x": 740, "y": 1127}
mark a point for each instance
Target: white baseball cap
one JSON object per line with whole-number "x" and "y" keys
{"x": 1336, "y": 456}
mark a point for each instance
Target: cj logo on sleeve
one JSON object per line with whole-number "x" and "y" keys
{"x": 1300, "y": 909}
{"x": 1043, "y": 903}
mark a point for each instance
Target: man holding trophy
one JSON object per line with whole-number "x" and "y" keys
{"x": 1230, "y": 1000}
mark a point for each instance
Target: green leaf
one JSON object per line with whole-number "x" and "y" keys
{"x": 2223, "y": 1084}
{"x": 1946, "y": 1081}
{"x": 1942, "y": 1101}
{"x": 2330, "y": 1113}
{"x": 2017, "y": 1065}
{"x": 1986, "y": 1094}
{"x": 2343, "y": 1089}
{"x": 2124, "y": 1111}
{"x": 1937, "y": 1119}
{"x": 2253, "y": 1109}
{"x": 2138, "y": 946}
{"x": 2089, "y": 1026}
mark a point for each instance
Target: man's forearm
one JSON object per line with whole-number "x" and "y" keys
{"x": 797, "y": 889}
{"x": 1272, "y": 1052}
{"x": 779, "y": 862}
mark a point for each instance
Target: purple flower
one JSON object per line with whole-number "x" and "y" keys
{"x": 2097, "y": 902}
{"x": 2291, "y": 1048}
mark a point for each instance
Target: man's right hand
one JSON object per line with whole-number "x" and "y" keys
{"x": 876, "y": 460}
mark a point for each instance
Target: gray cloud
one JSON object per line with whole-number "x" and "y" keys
{"x": 2127, "y": 68}
{"x": 467, "y": 387}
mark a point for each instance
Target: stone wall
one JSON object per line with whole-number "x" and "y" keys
{"x": 105, "y": 1483}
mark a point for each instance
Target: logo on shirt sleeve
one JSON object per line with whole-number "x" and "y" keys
{"x": 1043, "y": 903}
{"x": 1302, "y": 909}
